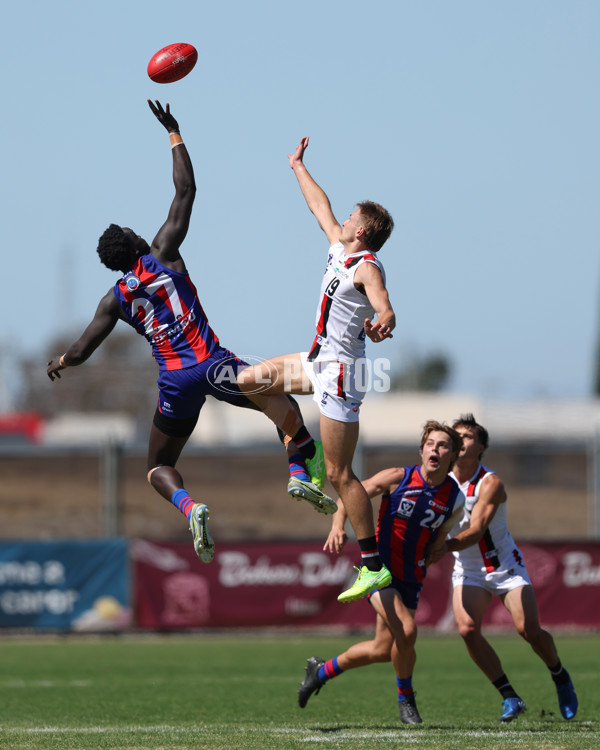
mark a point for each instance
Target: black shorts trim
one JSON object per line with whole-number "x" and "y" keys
{"x": 177, "y": 428}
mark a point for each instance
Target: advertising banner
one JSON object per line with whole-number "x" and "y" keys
{"x": 297, "y": 584}
{"x": 65, "y": 585}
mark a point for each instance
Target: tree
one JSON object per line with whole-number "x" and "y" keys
{"x": 431, "y": 373}
{"x": 119, "y": 377}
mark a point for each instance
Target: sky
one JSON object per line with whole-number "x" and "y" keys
{"x": 474, "y": 123}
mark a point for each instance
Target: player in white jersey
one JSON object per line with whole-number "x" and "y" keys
{"x": 352, "y": 293}
{"x": 488, "y": 563}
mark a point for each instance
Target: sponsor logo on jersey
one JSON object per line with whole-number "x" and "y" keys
{"x": 132, "y": 282}
{"x": 437, "y": 506}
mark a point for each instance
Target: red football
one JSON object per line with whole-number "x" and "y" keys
{"x": 172, "y": 62}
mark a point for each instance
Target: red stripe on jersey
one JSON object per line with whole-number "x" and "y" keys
{"x": 486, "y": 543}
{"x": 475, "y": 481}
{"x": 192, "y": 333}
{"x": 350, "y": 262}
{"x": 322, "y": 324}
{"x": 340, "y": 382}
{"x": 321, "y": 327}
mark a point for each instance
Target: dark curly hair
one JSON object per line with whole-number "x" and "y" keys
{"x": 115, "y": 250}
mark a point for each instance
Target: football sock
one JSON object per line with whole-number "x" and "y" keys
{"x": 304, "y": 443}
{"x": 329, "y": 670}
{"x": 404, "y": 688}
{"x": 504, "y": 687}
{"x": 369, "y": 555}
{"x": 183, "y": 502}
{"x": 298, "y": 468}
{"x": 559, "y": 674}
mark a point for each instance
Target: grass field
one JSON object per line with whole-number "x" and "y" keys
{"x": 215, "y": 692}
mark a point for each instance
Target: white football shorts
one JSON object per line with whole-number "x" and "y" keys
{"x": 497, "y": 582}
{"x": 339, "y": 387}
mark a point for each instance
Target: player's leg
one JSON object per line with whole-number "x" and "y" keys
{"x": 522, "y": 605}
{"x": 339, "y": 443}
{"x": 168, "y": 437}
{"x": 469, "y": 604}
{"x": 305, "y": 455}
{"x": 400, "y": 620}
{"x": 265, "y": 387}
{"x": 283, "y": 374}
{"x": 319, "y": 671}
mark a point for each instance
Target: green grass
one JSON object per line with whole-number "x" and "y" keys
{"x": 239, "y": 692}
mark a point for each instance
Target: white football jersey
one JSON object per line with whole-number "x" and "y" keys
{"x": 496, "y": 550}
{"x": 342, "y": 308}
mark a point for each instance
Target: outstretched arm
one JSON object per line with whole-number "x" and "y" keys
{"x": 491, "y": 495}
{"x": 103, "y": 322}
{"x": 379, "y": 483}
{"x": 166, "y": 244}
{"x": 315, "y": 196}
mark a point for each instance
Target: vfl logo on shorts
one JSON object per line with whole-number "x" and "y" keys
{"x": 406, "y": 508}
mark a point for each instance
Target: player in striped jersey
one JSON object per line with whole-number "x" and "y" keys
{"x": 158, "y": 299}
{"x": 488, "y": 563}
{"x": 420, "y": 504}
{"x": 353, "y": 291}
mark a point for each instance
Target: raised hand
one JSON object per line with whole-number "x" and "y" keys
{"x": 296, "y": 157}
{"x": 164, "y": 116}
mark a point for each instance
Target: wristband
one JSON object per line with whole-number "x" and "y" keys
{"x": 62, "y": 362}
{"x": 176, "y": 139}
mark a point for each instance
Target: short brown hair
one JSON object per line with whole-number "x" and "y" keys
{"x": 432, "y": 426}
{"x": 377, "y": 222}
{"x": 468, "y": 421}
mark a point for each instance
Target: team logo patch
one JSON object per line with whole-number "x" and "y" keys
{"x": 132, "y": 282}
{"x": 406, "y": 507}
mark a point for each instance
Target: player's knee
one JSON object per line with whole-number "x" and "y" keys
{"x": 339, "y": 476}
{"x": 381, "y": 654}
{"x": 151, "y": 473}
{"x": 163, "y": 471}
{"x": 530, "y": 631}
{"x": 410, "y": 634}
{"x": 467, "y": 630}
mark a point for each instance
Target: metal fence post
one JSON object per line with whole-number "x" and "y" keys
{"x": 110, "y": 471}
{"x": 594, "y": 505}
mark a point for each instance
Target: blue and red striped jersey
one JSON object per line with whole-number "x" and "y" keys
{"x": 409, "y": 519}
{"x": 163, "y": 306}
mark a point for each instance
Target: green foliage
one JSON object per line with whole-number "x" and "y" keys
{"x": 216, "y": 692}
{"x": 429, "y": 374}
